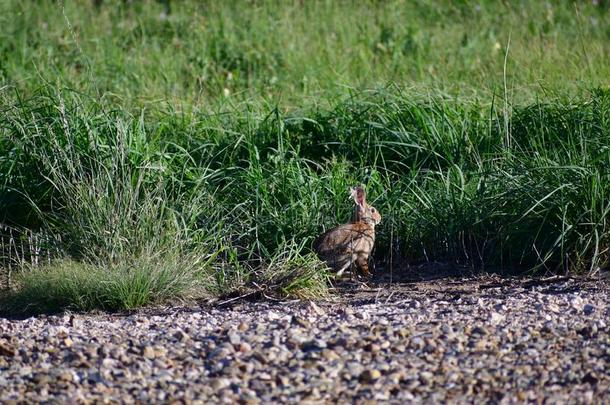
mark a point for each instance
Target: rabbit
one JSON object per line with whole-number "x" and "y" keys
{"x": 352, "y": 243}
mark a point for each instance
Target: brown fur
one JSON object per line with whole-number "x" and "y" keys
{"x": 351, "y": 244}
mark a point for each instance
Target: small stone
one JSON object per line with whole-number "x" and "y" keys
{"x": 66, "y": 376}
{"x": 62, "y": 332}
{"x": 400, "y": 348}
{"x": 577, "y": 303}
{"x": 370, "y": 375}
{"x": 417, "y": 343}
{"x": 426, "y": 377}
{"x": 372, "y": 347}
{"x": 315, "y": 308}
{"x": 339, "y": 342}
{"x": 354, "y": 368}
{"x": 181, "y": 336}
{"x": 347, "y": 311}
{"x": 316, "y": 344}
{"x": 260, "y": 357}
{"x": 329, "y": 354}
{"x": 6, "y": 350}
{"x": 148, "y": 352}
{"x": 297, "y": 320}
{"x": 41, "y": 379}
{"x": 234, "y": 338}
{"x": 553, "y": 308}
{"x": 495, "y": 318}
{"x": 479, "y": 330}
{"x": 404, "y": 332}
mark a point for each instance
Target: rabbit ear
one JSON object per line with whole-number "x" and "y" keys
{"x": 357, "y": 193}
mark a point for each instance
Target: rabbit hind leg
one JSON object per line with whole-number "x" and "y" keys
{"x": 363, "y": 265}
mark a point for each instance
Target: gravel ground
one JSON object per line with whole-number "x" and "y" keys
{"x": 470, "y": 340}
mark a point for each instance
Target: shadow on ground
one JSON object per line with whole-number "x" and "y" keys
{"x": 452, "y": 282}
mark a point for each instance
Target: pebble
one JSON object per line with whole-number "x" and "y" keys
{"x": 442, "y": 342}
{"x": 370, "y": 375}
{"x": 148, "y": 352}
{"x": 588, "y": 309}
{"x": 234, "y": 338}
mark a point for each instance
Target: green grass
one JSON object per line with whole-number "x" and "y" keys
{"x": 296, "y": 53}
{"x": 485, "y": 146}
{"x": 79, "y": 286}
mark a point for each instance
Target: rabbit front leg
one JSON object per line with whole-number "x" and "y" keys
{"x": 343, "y": 265}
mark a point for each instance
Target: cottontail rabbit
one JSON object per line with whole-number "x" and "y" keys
{"x": 351, "y": 243}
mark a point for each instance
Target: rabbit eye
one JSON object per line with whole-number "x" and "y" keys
{"x": 373, "y": 210}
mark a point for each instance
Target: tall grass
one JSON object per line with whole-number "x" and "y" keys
{"x": 183, "y": 156}
{"x": 233, "y": 192}
{"x": 257, "y": 182}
